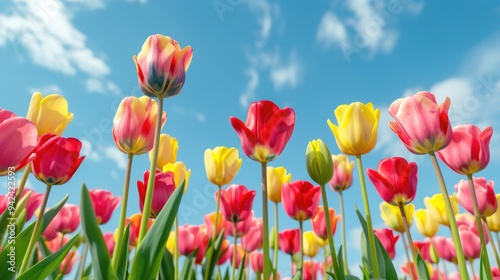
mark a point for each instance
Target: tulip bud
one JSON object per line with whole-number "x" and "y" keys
{"x": 319, "y": 162}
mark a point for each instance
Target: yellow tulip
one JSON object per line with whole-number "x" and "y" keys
{"x": 494, "y": 220}
{"x": 222, "y": 165}
{"x": 167, "y": 152}
{"x": 426, "y": 225}
{"x": 49, "y": 114}
{"x": 392, "y": 215}
{"x": 436, "y": 208}
{"x": 180, "y": 173}
{"x": 356, "y": 133}
{"x": 171, "y": 243}
{"x": 311, "y": 244}
{"x": 276, "y": 178}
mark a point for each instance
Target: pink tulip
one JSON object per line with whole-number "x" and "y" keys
{"x": 424, "y": 247}
{"x": 57, "y": 159}
{"x": 266, "y": 131}
{"x": 66, "y": 221}
{"x": 110, "y": 242}
{"x": 257, "y": 262}
{"x": 164, "y": 186}
{"x": 57, "y": 242}
{"x": 18, "y": 141}
{"x": 422, "y": 125}
{"x": 104, "y": 204}
{"x": 485, "y": 194}
{"x": 445, "y": 248}
{"x": 388, "y": 240}
{"x": 203, "y": 238}
{"x": 34, "y": 201}
{"x": 289, "y": 241}
{"x": 240, "y": 252}
{"x": 342, "y": 173}
{"x": 189, "y": 238}
{"x": 469, "y": 236}
{"x": 252, "y": 240}
{"x": 161, "y": 66}
{"x": 395, "y": 180}
{"x": 242, "y": 227}
{"x": 309, "y": 271}
{"x": 319, "y": 222}
{"x": 3, "y": 203}
{"x": 224, "y": 253}
{"x": 469, "y": 149}
{"x": 236, "y": 202}
{"x": 209, "y": 220}
{"x": 406, "y": 267}
{"x": 68, "y": 262}
{"x": 300, "y": 199}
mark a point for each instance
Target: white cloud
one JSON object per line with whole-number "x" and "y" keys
{"x": 92, "y": 4}
{"x": 94, "y": 85}
{"x": 139, "y": 1}
{"x": 46, "y": 89}
{"x": 331, "y": 30}
{"x": 88, "y": 151}
{"x": 200, "y": 117}
{"x": 249, "y": 93}
{"x": 112, "y": 153}
{"x": 286, "y": 75}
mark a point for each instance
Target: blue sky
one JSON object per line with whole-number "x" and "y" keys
{"x": 312, "y": 57}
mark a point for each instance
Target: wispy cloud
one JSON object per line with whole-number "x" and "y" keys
{"x": 46, "y": 89}
{"x": 95, "y": 85}
{"x": 112, "y": 153}
{"x": 286, "y": 74}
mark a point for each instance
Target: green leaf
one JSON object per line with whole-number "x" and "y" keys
{"x": 298, "y": 275}
{"x": 484, "y": 273}
{"x": 167, "y": 266}
{"x": 22, "y": 239}
{"x": 421, "y": 266}
{"x": 45, "y": 253}
{"x": 148, "y": 257}
{"x": 389, "y": 269}
{"x": 241, "y": 268}
{"x": 45, "y": 267}
{"x": 352, "y": 277}
{"x": 212, "y": 250}
{"x": 121, "y": 270}
{"x": 21, "y": 204}
{"x": 187, "y": 271}
{"x": 97, "y": 247}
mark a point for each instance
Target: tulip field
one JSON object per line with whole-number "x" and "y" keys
{"x": 41, "y": 240}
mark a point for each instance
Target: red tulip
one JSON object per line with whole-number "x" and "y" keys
{"x": 422, "y": 125}
{"x": 300, "y": 199}
{"x": 266, "y": 131}
{"x": 164, "y": 186}
{"x": 242, "y": 227}
{"x": 319, "y": 222}
{"x": 203, "y": 238}
{"x": 485, "y": 194}
{"x": 388, "y": 240}
{"x": 189, "y": 238}
{"x": 34, "y": 201}
{"x": 104, "y": 204}
{"x": 309, "y": 271}
{"x": 18, "y": 140}
{"x": 395, "y": 180}
{"x": 469, "y": 149}
{"x": 236, "y": 202}
{"x": 252, "y": 240}
{"x": 424, "y": 247}
{"x": 66, "y": 221}
{"x": 257, "y": 262}
{"x": 288, "y": 241}
{"x": 57, "y": 159}
{"x": 110, "y": 242}
{"x": 3, "y": 203}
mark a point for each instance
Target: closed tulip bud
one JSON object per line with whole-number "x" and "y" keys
{"x": 273, "y": 237}
{"x": 163, "y": 188}
{"x": 300, "y": 199}
{"x": 445, "y": 248}
{"x": 356, "y": 133}
{"x": 494, "y": 220}
{"x": 276, "y": 177}
{"x": 388, "y": 240}
{"x": 436, "y": 208}
{"x": 49, "y": 114}
{"x": 424, "y": 222}
{"x": 342, "y": 173}
{"x": 180, "y": 173}
{"x": 161, "y": 66}
{"x": 167, "y": 151}
{"x": 288, "y": 241}
{"x": 392, "y": 215}
{"x": 319, "y": 222}
{"x": 485, "y": 194}
{"x": 311, "y": 244}
{"x": 319, "y": 162}
{"x": 222, "y": 165}
{"x": 104, "y": 203}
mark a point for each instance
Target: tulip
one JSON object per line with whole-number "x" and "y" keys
{"x": 189, "y": 238}
{"x": 3, "y": 203}
{"x": 319, "y": 162}
{"x": 18, "y": 140}
{"x": 167, "y": 150}
{"x": 57, "y": 242}
{"x": 222, "y": 165}
{"x": 66, "y": 221}
{"x": 356, "y": 133}
{"x": 49, "y": 114}
{"x": 257, "y": 262}
{"x": 425, "y": 222}
{"x": 241, "y": 228}
{"x": 236, "y": 203}
{"x": 300, "y": 199}
{"x": 469, "y": 236}
{"x": 224, "y": 253}
{"x": 252, "y": 240}
{"x": 180, "y": 173}
{"x": 110, "y": 242}
{"x": 135, "y": 226}
{"x": 276, "y": 178}
{"x": 311, "y": 244}
{"x": 34, "y": 201}
{"x": 266, "y": 131}
{"x": 288, "y": 241}
{"x": 309, "y": 270}
{"x": 104, "y": 204}
{"x": 203, "y": 244}
{"x": 209, "y": 220}
{"x": 388, "y": 240}
{"x": 319, "y": 222}
{"x": 494, "y": 220}
{"x": 469, "y": 150}
{"x": 161, "y": 66}
{"x": 395, "y": 180}
{"x": 163, "y": 188}
{"x": 425, "y": 247}
{"x": 68, "y": 262}
{"x": 240, "y": 252}
{"x": 392, "y": 215}
{"x": 342, "y": 173}
{"x": 134, "y": 124}
{"x": 485, "y": 194}
{"x": 445, "y": 248}
{"x": 437, "y": 210}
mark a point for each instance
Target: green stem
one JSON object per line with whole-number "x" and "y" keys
{"x": 176, "y": 248}
{"x": 410, "y": 240}
{"x": 23, "y": 181}
{"x": 34, "y": 234}
{"x": 325, "y": 258}
{"x": 471, "y": 262}
{"x": 492, "y": 243}
{"x": 301, "y": 243}
{"x": 479, "y": 225}
{"x": 326, "y": 209}
{"x": 462, "y": 266}
{"x": 82, "y": 262}
{"x": 265, "y": 223}
{"x": 371, "y": 235}
{"x": 344, "y": 242}
{"x": 217, "y": 207}
{"x": 233, "y": 263}
{"x": 123, "y": 212}
{"x": 410, "y": 267}
{"x": 152, "y": 171}
{"x": 275, "y": 249}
